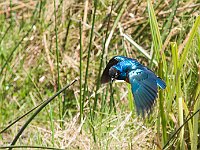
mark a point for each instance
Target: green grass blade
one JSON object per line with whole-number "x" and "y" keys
{"x": 80, "y": 73}
{"x": 180, "y": 114}
{"x": 138, "y": 47}
{"x": 111, "y": 103}
{"x": 5, "y": 33}
{"x": 189, "y": 42}
{"x": 157, "y": 40}
{"x": 189, "y": 122}
{"x": 178, "y": 90}
{"x": 160, "y": 56}
{"x": 168, "y": 25}
{"x": 57, "y": 51}
{"x": 130, "y": 98}
{"x": 89, "y": 50}
{"x": 57, "y": 63}
{"x": 161, "y": 108}
{"x": 52, "y": 124}
{"x": 19, "y": 118}
{"x": 179, "y": 129}
{"x": 194, "y": 141}
{"x": 114, "y": 26}
{"x": 101, "y": 64}
{"x": 38, "y": 110}
{"x": 29, "y": 146}
{"x": 65, "y": 40}
{"x": 174, "y": 57}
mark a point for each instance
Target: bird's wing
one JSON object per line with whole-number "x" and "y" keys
{"x": 159, "y": 81}
{"x": 144, "y": 89}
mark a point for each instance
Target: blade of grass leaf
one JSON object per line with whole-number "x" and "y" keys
{"x": 157, "y": 45}
{"x": 101, "y": 62}
{"x": 180, "y": 114}
{"x": 168, "y": 25}
{"x": 123, "y": 6}
{"x": 194, "y": 141}
{"x": 57, "y": 63}
{"x": 89, "y": 50}
{"x": 5, "y": 33}
{"x": 112, "y": 102}
{"x": 178, "y": 90}
{"x": 137, "y": 46}
{"x": 29, "y": 146}
{"x": 80, "y": 72}
{"x": 52, "y": 124}
{"x": 161, "y": 108}
{"x": 11, "y": 13}
{"x": 19, "y": 118}
{"x": 38, "y": 110}
{"x": 157, "y": 41}
{"x": 130, "y": 98}
{"x": 178, "y": 130}
{"x": 185, "y": 107}
{"x": 66, "y": 35}
{"x": 189, "y": 42}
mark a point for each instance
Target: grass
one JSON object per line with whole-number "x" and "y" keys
{"x": 45, "y": 45}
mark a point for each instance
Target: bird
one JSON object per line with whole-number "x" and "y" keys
{"x": 144, "y": 82}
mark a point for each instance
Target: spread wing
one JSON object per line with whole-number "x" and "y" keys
{"x": 144, "y": 89}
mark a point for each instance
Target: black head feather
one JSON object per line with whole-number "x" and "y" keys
{"x": 105, "y": 76}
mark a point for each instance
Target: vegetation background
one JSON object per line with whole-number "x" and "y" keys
{"x": 44, "y": 45}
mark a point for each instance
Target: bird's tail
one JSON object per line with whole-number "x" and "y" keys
{"x": 161, "y": 83}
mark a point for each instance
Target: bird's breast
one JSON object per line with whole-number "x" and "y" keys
{"x": 127, "y": 80}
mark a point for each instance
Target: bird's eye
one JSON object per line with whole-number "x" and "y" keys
{"x": 116, "y": 74}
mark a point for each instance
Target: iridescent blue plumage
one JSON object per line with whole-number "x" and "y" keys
{"x": 144, "y": 83}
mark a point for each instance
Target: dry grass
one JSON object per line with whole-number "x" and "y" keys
{"x": 31, "y": 76}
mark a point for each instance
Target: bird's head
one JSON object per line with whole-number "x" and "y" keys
{"x": 114, "y": 73}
